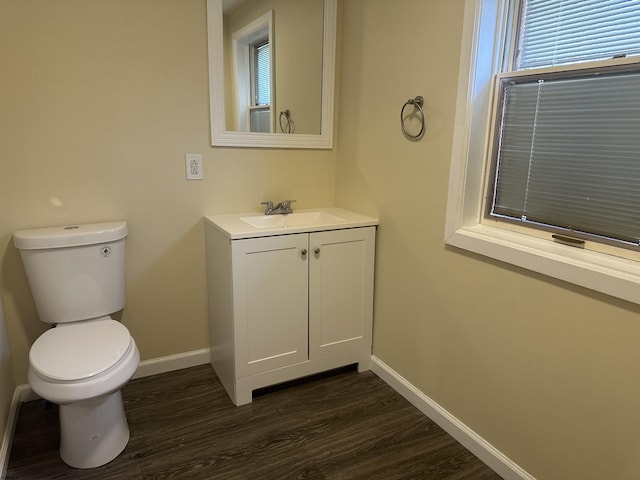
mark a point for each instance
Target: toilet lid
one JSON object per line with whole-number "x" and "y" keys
{"x": 78, "y": 351}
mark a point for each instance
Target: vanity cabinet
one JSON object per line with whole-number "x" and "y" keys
{"x": 285, "y": 306}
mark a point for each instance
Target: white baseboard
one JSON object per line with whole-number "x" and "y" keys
{"x": 170, "y": 363}
{"x": 20, "y": 394}
{"x": 473, "y": 442}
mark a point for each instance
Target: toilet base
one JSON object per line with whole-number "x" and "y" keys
{"x": 93, "y": 432}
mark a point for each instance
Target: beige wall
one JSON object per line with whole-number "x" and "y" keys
{"x": 546, "y": 372}
{"x": 99, "y": 102}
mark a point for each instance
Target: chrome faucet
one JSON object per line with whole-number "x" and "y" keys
{"x": 281, "y": 208}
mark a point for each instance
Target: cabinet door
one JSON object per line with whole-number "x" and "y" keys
{"x": 270, "y": 289}
{"x": 340, "y": 290}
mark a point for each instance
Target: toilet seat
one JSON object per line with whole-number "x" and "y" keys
{"x": 79, "y": 351}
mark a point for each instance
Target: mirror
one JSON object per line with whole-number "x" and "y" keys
{"x": 267, "y": 87}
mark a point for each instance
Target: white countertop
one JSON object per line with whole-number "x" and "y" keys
{"x": 235, "y": 228}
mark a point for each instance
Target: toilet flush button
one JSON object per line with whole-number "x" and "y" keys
{"x": 106, "y": 251}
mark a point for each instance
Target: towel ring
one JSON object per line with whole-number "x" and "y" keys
{"x": 288, "y": 125}
{"x": 417, "y": 103}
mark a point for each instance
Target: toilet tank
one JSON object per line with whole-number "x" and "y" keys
{"x": 75, "y": 272}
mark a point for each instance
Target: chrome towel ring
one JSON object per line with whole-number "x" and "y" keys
{"x": 417, "y": 103}
{"x": 288, "y": 126}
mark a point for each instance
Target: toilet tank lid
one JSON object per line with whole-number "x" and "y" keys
{"x": 69, "y": 235}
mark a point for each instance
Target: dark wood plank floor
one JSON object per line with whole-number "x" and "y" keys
{"x": 183, "y": 426}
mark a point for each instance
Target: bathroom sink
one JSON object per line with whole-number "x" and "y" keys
{"x": 251, "y": 225}
{"x": 292, "y": 220}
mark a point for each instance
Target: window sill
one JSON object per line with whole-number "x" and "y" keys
{"x": 615, "y": 276}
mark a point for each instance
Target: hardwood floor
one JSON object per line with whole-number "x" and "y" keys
{"x": 183, "y": 426}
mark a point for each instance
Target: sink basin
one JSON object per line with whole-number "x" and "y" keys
{"x": 292, "y": 220}
{"x": 265, "y": 221}
{"x": 252, "y": 225}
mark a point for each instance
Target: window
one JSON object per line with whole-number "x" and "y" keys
{"x": 260, "y": 108}
{"x": 253, "y": 75}
{"x": 261, "y": 76}
{"x": 547, "y": 139}
{"x": 567, "y": 145}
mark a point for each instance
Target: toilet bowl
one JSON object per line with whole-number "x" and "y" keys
{"x": 84, "y": 378}
{"x": 76, "y": 274}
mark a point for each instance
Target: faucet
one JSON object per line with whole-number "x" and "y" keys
{"x": 281, "y": 208}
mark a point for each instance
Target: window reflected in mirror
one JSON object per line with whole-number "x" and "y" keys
{"x": 273, "y": 63}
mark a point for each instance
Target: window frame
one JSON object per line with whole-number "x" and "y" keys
{"x": 485, "y": 27}
{"x": 243, "y": 42}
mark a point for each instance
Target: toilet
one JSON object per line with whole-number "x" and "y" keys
{"x": 77, "y": 278}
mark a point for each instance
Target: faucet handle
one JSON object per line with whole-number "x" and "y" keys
{"x": 285, "y": 206}
{"x": 268, "y": 207}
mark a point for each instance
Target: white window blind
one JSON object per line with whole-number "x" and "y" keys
{"x": 556, "y": 32}
{"x": 567, "y": 149}
{"x": 260, "y": 110}
{"x": 263, "y": 75}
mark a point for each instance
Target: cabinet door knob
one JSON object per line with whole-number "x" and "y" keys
{"x": 317, "y": 251}
{"x": 303, "y": 252}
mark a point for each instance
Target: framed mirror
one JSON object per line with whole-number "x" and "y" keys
{"x": 272, "y": 72}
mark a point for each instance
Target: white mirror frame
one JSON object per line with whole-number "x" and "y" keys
{"x": 225, "y": 138}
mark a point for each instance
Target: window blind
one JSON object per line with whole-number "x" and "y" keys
{"x": 263, "y": 75}
{"x": 557, "y": 32}
{"x": 260, "y": 119}
{"x": 569, "y": 154}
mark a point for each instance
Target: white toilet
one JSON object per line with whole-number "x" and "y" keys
{"x": 77, "y": 277}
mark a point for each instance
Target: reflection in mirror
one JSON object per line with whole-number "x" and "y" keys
{"x": 252, "y": 81}
{"x": 289, "y": 32}
{"x": 271, "y": 72}
{"x": 252, "y": 74}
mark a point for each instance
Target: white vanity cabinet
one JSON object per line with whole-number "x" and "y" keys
{"x": 288, "y": 305}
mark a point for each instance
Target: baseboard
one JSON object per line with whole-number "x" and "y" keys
{"x": 146, "y": 368}
{"x": 170, "y": 363}
{"x": 473, "y": 442}
{"x": 21, "y": 393}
